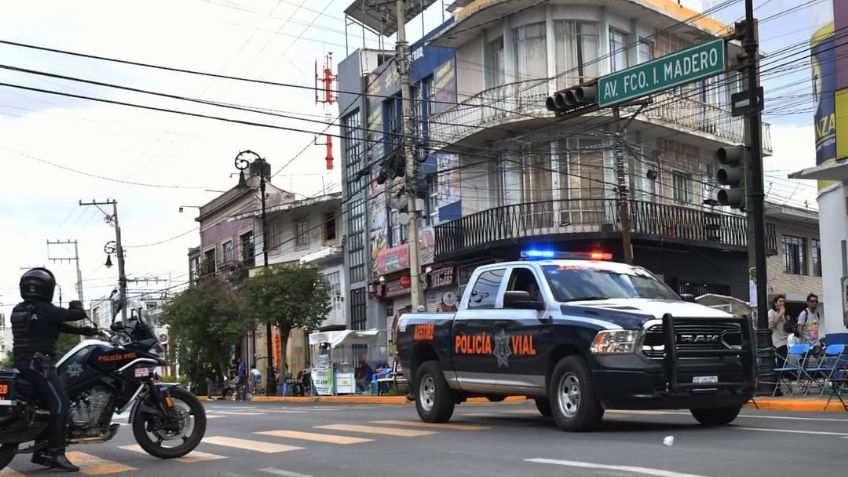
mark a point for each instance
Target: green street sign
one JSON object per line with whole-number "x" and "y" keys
{"x": 662, "y": 73}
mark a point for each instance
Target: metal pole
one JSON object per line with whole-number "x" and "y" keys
{"x": 79, "y": 273}
{"x": 407, "y": 130}
{"x": 756, "y": 195}
{"x": 269, "y": 371}
{"x": 623, "y": 200}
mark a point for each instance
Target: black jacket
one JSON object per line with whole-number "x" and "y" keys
{"x": 36, "y": 327}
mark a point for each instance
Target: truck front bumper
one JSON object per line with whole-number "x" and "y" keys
{"x": 632, "y": 381}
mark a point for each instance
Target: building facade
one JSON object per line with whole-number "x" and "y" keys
{"x": 500, "y": 173}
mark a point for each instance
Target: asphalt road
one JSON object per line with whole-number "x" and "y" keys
{"x": 272, "y": 439}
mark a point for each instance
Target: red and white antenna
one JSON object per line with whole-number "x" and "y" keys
{"x": 329, "y": 98}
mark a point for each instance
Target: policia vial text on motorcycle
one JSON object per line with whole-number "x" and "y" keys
{"x": 36, "y": 325}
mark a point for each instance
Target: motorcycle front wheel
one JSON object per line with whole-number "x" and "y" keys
{"x": 7, "y": 453}
{"x": 168, "y": 439}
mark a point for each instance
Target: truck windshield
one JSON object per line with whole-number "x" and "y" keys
{"x": 580, "y": 282}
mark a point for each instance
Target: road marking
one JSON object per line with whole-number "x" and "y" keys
{"x": 238, "y": 413}
{"x": 257, "y": 446}
{"x": 455, "y": 426}
{"x": 7, "y": 472}
{"x": 386, "y": 431}
{"x": 284, "y": 473}
{"x": 91, "y": 465}
{"x": 622, "y": 468}
{"x": 792, "y": 431}
{"x": 191, "y": 458}
{"x": 315, "y": 437}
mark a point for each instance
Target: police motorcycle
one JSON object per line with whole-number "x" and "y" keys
{"x": 104, "y": 377}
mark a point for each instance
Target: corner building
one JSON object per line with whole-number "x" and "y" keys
{"x": 500, "y": 173}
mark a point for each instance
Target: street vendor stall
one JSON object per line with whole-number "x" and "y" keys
{"x": 334, "y": 358}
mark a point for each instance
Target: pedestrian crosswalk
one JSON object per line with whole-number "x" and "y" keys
{"x": 216, "y": 447}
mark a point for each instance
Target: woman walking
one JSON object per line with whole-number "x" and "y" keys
{"x": 778, "y": 322}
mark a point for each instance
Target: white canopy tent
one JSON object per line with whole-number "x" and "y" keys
{"x": 334, "y": 358}
{"x": 344, "y": 337}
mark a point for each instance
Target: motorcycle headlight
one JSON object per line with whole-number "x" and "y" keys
{"x": 615, "y": 341}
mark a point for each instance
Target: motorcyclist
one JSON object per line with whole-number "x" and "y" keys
{"x": 36, "y": 325}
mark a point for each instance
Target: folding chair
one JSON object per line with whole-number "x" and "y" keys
{"x": 820, "y": 373}
{"x": 839, "y": 385}
{"x": 793, "y": 367}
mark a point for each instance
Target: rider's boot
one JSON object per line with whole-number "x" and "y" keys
{"x": 54, "y": 459}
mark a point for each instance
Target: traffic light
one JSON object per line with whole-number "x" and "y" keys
{"x": 732, "y": 174}
{"x": 572, "y": 98}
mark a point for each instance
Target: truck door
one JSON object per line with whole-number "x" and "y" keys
{"x": 522, "y": 336}
{"x": 473, "y": 339}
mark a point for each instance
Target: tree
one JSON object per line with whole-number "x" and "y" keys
{"x": 204, "y": 324}
{"x": 288, "y": 297}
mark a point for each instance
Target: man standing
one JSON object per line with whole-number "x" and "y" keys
{"x": 36, "y": 325}
{"x": 808, "y": 322}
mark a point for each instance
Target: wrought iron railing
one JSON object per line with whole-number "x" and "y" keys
{"x": 648, "y": 219}
{"x": 524, "y": 100}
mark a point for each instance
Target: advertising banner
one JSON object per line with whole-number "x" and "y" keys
{"x": 823, "y": 60}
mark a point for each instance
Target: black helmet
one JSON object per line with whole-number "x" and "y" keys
{"x": 38, "y": 285}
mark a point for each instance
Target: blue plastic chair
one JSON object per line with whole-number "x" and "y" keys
{"x": 793, "y": 367}
{"x": 822, "y": 371}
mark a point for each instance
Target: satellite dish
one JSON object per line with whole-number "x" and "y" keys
{"x": 449, "y": 298}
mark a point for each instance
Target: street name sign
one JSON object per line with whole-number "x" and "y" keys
{"x": 663, "y": 73}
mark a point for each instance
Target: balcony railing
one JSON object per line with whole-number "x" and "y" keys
{"x": 573, "y": 216}
{"x": 524, "y": 100}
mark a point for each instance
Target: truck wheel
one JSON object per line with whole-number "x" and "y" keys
{"x": 717, "y": 416}
{"x": 493, "y": 398}
{"x": 572, "y": 396}
{"x": 544, "y": 406}
{"x": 434, "y": 400}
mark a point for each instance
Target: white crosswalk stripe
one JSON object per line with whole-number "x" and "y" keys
{"x": 245, "y": 444}
{"x": 191, "y": 458}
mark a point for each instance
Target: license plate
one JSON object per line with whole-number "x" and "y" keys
{"x": 704, "y": 379}
{"x": 142, "y": 372}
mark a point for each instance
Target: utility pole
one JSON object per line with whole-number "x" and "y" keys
{"x": 623, "y": 194}
{"x": 407, "y": 130}
{"x": 119, "y": 250}
{"x": 75, "y": 259}
{"x": 753, "y": 143}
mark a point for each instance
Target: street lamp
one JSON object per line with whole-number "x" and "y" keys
{"x": 110, "y": 248}
{"x": 245, "y": 159}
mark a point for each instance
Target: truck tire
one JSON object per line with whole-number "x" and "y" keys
{"x": 544, "y": 406}
{"x": 716, "y": 416}
{"x": 572, "y": 396}
{"x": 434, "y": 400}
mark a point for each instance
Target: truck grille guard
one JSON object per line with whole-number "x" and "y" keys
{"x": 673, "y": 351}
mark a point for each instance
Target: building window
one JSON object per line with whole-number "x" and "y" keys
{"x": 301, "y": 233}
{"x": 576, "y": 52}
{"x": 645, "y": 50}
{"x": 330, "y": 227}
{"x": 496, "y": 66}
{"x": 398, "y": 230}
{"x": 352, "y": 152}
{"x": 358, "y": 319}
{"x": 248, "y": 254}
{"x": 208, "y": 262}
{"x": 356, "y": 241}
{"x": 794, "y": 255}
{"x": 682, "y": 185}
{"x": 227, "y": 251}
{"x": 273, "y": 236}
{"x": 194, "y": 269}
{"x": 333, "y": 283}
{"x": 815, "y": 251}
{"x": 618, "y": 50}
{"x": 530, "y": 52}
{"x": 434, "y": 199}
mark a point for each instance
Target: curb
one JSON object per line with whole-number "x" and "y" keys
{"x": 795, "y": 405}
{"x": 378, "y": 400}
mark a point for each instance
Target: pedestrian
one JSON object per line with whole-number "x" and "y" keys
{"x": 808, "y": 323}
{"x": 255, "y": 378}
{"x": 778, "y": 320}
{"x": 210, "y": 381}
{"x": 364, "y": 375}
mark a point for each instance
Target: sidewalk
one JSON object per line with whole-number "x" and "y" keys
{"x": 789, "y": 404}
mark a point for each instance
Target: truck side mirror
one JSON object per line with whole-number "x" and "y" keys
{"x": 521, "y": 300}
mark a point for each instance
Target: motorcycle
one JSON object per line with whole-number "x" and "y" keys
{"x": 103, "y": 378}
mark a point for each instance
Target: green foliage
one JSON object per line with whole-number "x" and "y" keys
{"x": 67, "y": 341}
{"x": 205, "y": 323}
{"x": 289, "y": 297}
{"x": 6, "y": 361}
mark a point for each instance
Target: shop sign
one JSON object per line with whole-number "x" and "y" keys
{"x": 442, "y": 277}
{"x": 394, "y": 288}
{"x": 392, "y": 259}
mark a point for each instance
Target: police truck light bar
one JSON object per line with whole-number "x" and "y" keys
{"x": 594, "y": 255}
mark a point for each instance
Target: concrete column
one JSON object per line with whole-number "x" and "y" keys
{"x": 603, "y": 43}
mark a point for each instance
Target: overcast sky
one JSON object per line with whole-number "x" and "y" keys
{"x": 43, "y": 136}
